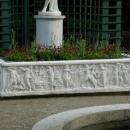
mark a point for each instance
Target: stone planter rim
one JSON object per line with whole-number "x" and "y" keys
{"x": 64, "y": 62}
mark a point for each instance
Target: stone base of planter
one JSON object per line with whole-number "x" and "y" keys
{"x": 64, "y": 77}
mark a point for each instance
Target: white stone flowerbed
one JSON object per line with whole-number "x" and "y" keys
{"x": 64, "y": 77}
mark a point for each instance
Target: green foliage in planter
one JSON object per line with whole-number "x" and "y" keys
{"x": 45, "y": 54}
{"x": 56, "y": 54}
{"x": 102, "y": 55}
{"x": 19, "y": 56}
{"x": 71, "y": 50}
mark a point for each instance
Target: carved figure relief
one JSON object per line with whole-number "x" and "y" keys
{"x": 90, "y": 77}
{"x": 15, "y": 82}
{"x": 0, "y": 77}
{"x": 67, "y": 79}
{"x": 105, "y": 74}
{"x": 49, "y": 78}
{"x": 124, "y": 75}
{"x": 58, "y": 81}
{"x": 43, "y": 80}
{"x": 29, "y": 77}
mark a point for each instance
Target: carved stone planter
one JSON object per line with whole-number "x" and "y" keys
{"x": 64, "y": 77}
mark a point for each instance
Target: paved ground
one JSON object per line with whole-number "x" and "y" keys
{"x": 21, "y": 114}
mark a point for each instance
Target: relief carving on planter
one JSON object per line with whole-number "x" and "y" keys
{"x": 0, "y": 77}
{"x": 14, "y": 80}
{"x": 123, "y": 76}
{"x": 67, "y": 77}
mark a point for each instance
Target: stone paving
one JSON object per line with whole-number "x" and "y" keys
{"x": 22, "y": 114}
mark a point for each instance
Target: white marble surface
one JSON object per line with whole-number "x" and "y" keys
{"x": 64, "y": 77}
{"x": 53, "y": 9}
{"x": 1, "y": 76}
{"x": 49, "y": 30}
{"x": 79, "y": 118}
{"x": 49, "y": 13}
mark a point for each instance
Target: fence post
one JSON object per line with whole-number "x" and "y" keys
{"x": 25, "y": 13}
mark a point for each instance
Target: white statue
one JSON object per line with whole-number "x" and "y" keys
{"x": 53, "y": 8}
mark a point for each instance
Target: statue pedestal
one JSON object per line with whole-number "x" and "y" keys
{"x": 49, "y": 13}
{"x": 49, "y": 30}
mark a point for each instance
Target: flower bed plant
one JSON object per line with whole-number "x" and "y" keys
{"x": 76, "y": 50}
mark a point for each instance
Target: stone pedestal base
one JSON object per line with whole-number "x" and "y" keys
{"x": 49, "y": 30}
{"x": 49, "y": 13}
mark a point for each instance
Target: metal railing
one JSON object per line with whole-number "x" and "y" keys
{"x": 91, "y": 19}
{"x": 5, "y": 24}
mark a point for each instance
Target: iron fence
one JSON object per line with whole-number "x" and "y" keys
{"x": 5, "y": 24}
{"x": 91, "y": 19}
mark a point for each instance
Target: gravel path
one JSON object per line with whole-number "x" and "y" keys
{"x": 22, "y": 114}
